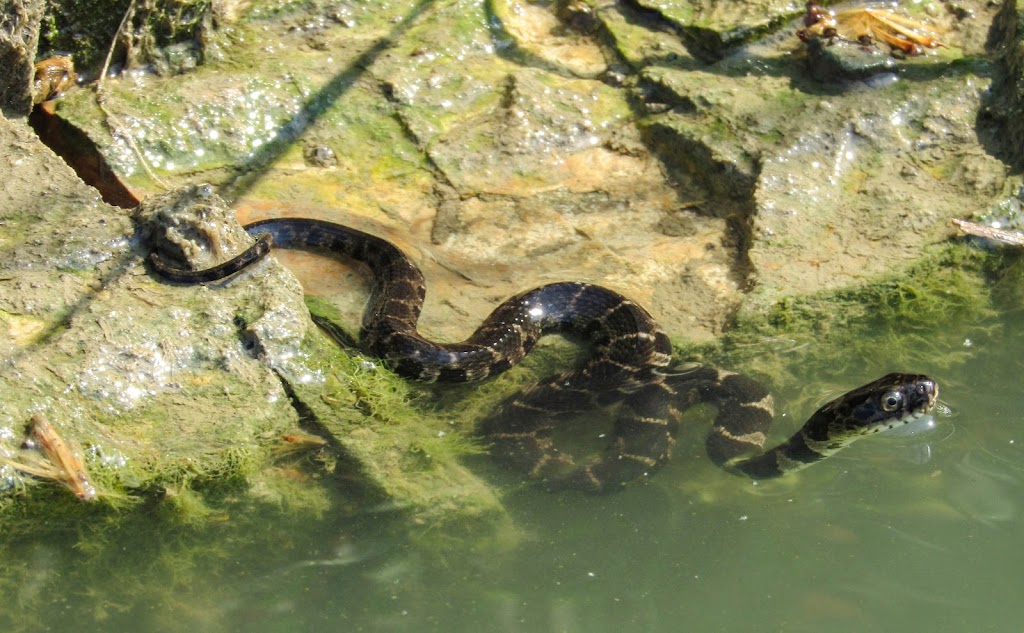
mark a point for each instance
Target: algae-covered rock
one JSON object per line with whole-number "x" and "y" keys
{"x": 456, "y": 132}
{"x": 19, "y": 35}
{"x": 150, "y": 380}
{"x": 164, "y": 387}
{"x": 548, "y": 35}
{"x": 712, "y": 26}
{"x": 1006, "y": 104}
{"x": 495, "y": 173}
{"x": 393, "y": 451}
{"x": 845, "y": 61}
{"x": 828, "y": 165}
{"x": 167, "y": 35}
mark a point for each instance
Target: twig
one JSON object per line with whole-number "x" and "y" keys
{"x": 1013, "y": 238}
{"x": 65, "y": 464}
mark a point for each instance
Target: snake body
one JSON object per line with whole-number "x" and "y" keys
{"x": 630, "y": 363}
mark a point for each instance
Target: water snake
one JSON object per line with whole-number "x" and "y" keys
{"x": 630, "y": 364}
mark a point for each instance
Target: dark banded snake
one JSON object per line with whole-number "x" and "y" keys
{"x": 630, "y": 364}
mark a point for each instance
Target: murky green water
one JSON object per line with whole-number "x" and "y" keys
{"x": 919, "y": 533}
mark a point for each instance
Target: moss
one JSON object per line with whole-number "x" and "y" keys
{"x": 181, "y": 544}
{"x": 183, "y": 505}
{"x": 83, "y": 26}
{"x": 1009, "y": 279}
{"x": 917, "y": 318}
{"x": 404, "y": 447}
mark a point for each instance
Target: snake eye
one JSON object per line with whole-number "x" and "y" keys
{"x": 892, "y": 400}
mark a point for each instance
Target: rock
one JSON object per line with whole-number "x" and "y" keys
{"x": 151, "y": 380}
{"x": 19, "y": 37}
{"x": 169, "y": 36}
{"x": 711, "y": 27}
{"x": 846, "y": 61}
{"x": 170, "y": 386}
{"x": 495, "y": 176}
{"x": 537, "y": 34}
{"x": 1005, "y": 106}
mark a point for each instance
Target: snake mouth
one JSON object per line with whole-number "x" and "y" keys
{"x": 931, "y": 388}
{"x": 918, "y": 418}
{"x": 920, "y": 412}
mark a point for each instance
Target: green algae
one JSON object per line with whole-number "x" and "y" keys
{"x": 403, "y": 449}
{"x": 914, "y": 319}
{"x": 252, "y": 108}
{"x": 256, "y": 369}
{"x": 188, "y": 442}
{"x": 1009, "y": 285}
{"x": 108, "y": 563}
{"x": 84, "y": 27}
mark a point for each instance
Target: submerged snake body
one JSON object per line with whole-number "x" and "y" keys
{"x": 630, "y": 363}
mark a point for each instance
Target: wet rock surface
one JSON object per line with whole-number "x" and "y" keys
{"x": 166, "y": 387}
{"x": 695, "y": 157}
{"x": 827, "y": 165}
{"x": 149, "y": 379}
{"x": 507, "y": 144}
{"x": 837, "y": 61}
{"x": 19, "y": 36}
{"x": 711, "y": 28}
{"x": 1005, "y": 105}
{"x": 475, "y": 159}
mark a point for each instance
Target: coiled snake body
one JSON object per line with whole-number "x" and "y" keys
{"x": 630, "y": 363}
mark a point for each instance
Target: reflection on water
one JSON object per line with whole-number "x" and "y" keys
{"x": 915, "y": 532}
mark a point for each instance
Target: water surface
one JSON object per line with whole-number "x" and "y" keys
{"x": 918, "y": 533}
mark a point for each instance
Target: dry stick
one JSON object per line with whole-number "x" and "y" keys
{"x": 68, "y": 461}
{"x": 115, "y": 127}
{"x": 1012, "y": 238}
{"x": 65, "y": 463}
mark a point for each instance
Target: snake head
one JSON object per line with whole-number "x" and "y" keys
{"x": 892, "y": 400}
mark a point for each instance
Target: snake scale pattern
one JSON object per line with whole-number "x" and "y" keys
{"x": 630, "y": 364}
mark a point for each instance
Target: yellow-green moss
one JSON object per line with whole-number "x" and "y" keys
{"x": 404, "y": 448}
{"x": 914, "y": 318}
